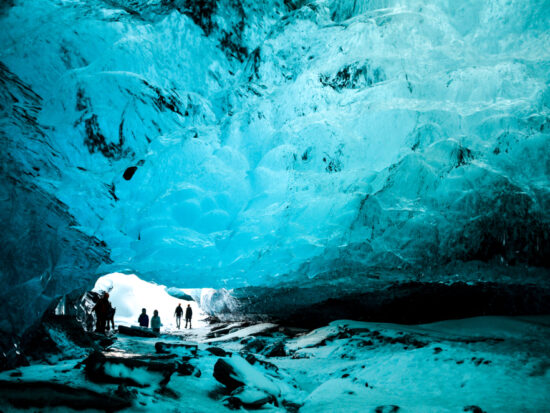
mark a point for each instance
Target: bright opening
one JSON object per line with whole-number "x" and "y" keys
{"x": 129, "y": 294}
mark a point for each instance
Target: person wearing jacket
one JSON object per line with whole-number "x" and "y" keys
{"x": 143, "y": 319}
{"x": 110, "y": 319}
{"x": 178, "y": 313}
{"x": 102, "y": 308}
{"x": 188, "y": 315}
{"x": 155, "y": 322}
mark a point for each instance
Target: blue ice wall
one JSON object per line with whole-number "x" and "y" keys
{"x": 42, "y": 253}
{"x": 232, "y": 143}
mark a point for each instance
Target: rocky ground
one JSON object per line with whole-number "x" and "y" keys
{"x": 483, "y": 364}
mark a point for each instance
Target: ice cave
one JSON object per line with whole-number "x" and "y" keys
{"x": 348, "y": 200}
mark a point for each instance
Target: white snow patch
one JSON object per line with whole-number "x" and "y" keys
{"x": 245, "y": 332}
{"x": 313, "y": 338}
{"x": 139, "y": 375}
{"x": 246, "y": 373}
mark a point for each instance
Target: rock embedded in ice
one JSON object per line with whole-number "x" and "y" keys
{"x": 276, "y": 349}
{"x": 267, "y": 365}
{"x": 187, "y": 350}
{"x": 184, "y": 368}
{"x": 387, "y": 409}
{"x": 265, "y": 346}
{"x": 226, "y": 375}
{"x": 220, "y": 352}
{"x": 254, "y": 344}
{"x": 129, "y": 172}
{"x": 235, "y": 372}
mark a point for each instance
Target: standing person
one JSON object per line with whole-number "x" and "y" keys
{"x": 101, "y": 309}
{"x": 155, "y": 322}
{"x": 188, "y": 315}
{"x": 143, "y": 319}
{"x": 178, "y": 313}
{"x": 111, "y": 317}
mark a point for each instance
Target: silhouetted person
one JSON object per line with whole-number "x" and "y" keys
{"x": 178, "y": 313}
{"x": 188, "y": 315}
{"x": 101, "y": 309}
{"x": 143, "y": 319}
{"x": 155, "y": 322}
{"x": 111, "y": 317}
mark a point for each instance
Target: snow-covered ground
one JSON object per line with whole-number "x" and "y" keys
{"x": 499, "y": 364}
{"x": 441, "y": 367}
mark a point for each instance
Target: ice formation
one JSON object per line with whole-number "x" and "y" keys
{"x": 225, "y": 144}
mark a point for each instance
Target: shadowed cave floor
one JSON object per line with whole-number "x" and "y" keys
{"x": 478, "y": 364}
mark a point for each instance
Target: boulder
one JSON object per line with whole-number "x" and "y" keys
{"x": 275, "y": 350}
{"x": 252, "y": 359}
{"x": 125, "y": 393}
{"x": 188, "y": 349}
{"x": 187, "y": 369}
{"x": 226, "y": 375}
{"x": 254, "y": 344}
{"x": 220, "y": 352}
{"x": 137, "y": 331}
{"x": 139, "y": 371}
{"x": 235, "y": 372}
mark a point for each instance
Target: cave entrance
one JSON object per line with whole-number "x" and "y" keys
{"x": 129, "y": 294}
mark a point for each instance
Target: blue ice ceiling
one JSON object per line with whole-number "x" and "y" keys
{"x": 230, "y": 143}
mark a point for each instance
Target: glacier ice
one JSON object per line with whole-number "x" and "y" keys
{"x": 227, "y": 144}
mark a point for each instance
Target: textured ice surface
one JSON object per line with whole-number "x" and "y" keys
{"x": 232, "y": 143}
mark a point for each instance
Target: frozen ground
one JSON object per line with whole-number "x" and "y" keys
{"x": 499, "y": 364}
